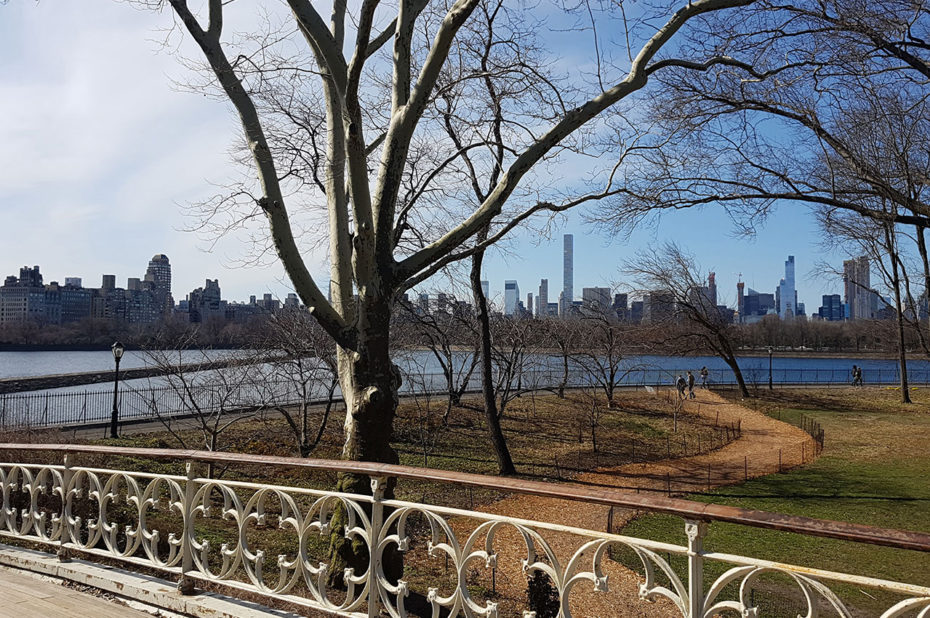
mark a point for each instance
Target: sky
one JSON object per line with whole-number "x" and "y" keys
{"x": 103, "y": 156}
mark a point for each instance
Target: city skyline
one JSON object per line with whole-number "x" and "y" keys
{"x": 85, "y": 176}
{"x": 509, "y": 298}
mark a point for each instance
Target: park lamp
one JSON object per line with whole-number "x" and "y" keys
{"x": 770, "y": 367}
{"x": 117, "y": 349}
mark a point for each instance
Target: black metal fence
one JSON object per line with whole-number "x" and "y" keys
{"x": 70, "y": 408}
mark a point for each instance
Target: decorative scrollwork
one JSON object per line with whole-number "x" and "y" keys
{"x": 479, "y": 548}
{"x": 270, "y": 539}
{"x": 814, "y": 592}
{"x": 920, "y": 604}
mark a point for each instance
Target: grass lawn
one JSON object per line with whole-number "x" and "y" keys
{"x": 873, "y": 471}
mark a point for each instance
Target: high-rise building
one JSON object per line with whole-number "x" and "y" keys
{"x": 159, "y": 274}
{"x": 23, "y": 299}
{"x": 529, "y": 304}
{"x": 486, "y": 289}
{"x": 108, "y": 282}
{"x": 568, "y": 275}
{"x": 73, "y": 282}
{"x": 740, "y": 301}
{"x": 511, "y": 297}
{"x": 787, "y": 293}
{"x": 712, "y": 289}
{"x": 596, "y": 298}
{"x": 756, "y": 305}
{"x": 860, "y": 299}
{"x": 658, "y": 306}
{"x": 542, "y": 299}
{"x": 30, "y": 277}
{"x": 206, "y": 303}
{"x": 443, "y": 303}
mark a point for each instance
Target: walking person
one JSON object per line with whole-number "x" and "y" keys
{"x": 857, "y": 375}
{"x": 691, "y": 394}
{"x": 704, "y": 374}
{"x": 681, "y": 384}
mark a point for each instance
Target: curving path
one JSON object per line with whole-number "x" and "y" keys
{"x": 755, "y": 453}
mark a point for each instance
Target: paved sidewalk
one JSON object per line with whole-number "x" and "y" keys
{"x": 24, "y": 595}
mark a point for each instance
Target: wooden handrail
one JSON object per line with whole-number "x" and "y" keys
{"x": 688, "y": 509}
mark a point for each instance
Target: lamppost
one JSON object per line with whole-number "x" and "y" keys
{"x": 114, "y": 418}
{"x": 770, "y": 367}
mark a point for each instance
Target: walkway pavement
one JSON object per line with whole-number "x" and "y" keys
{"x": 24, "y": 595}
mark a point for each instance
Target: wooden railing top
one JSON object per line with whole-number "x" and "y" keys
{"x": 688, "y": 509}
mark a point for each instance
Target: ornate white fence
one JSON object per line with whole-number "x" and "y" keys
{"x": 268, "y": 539}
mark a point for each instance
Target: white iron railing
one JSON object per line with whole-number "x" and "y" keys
{"x": 202, "y": 529}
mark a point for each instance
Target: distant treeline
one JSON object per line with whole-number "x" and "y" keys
{"x": 875, "y": 336}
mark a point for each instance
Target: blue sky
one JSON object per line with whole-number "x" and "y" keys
{"x": 102, "y": 154}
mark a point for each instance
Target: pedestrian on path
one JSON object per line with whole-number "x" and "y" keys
{"x": 691, "y": 394}
{"x": 681, "y": 384}
{"x": 704, "y": 374}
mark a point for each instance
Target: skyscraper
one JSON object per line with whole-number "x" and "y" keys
{"x": 511, "y": 297}
{"x": 542, "y": 299}
{"x": 597, "y": 299}
{"x": 568, "y": 275}
{"x": 857, "y": 289}
{"x": 159, "y": 275}
{"x": 712, "y": 289}
{"x": 740, "y": 303}
{"x": 486, "y": 289}
{"x": 787, "y": 293}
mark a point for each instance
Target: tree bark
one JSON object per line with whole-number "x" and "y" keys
{"x": 370, "y": 383}
{"x": 896, "y": 286}
{"x": 504, "y": 461}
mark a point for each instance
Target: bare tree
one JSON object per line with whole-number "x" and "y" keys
{"x": 204, "y": 401}
{"x": 562, "y": 333}
{"x": 693, "y": 319}
{"x": 880, "y": 242}
{"x": 301, "y": 375}
{"x": 427, "y": 420}
{"x": 513, "y": 338}
{"x": 603, "y": 350}
{"x": 375, "y": 253}
{"x": 365, "y": 138}
{"x": 444, "y": 333}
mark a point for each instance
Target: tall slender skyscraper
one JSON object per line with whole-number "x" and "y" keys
{"x": 568, "y": 275}
{"x": 787, "y": 294}
{"x": 740, "y": 301}
{"x": 542, "y": 299}
{"x": 857, "y": 288}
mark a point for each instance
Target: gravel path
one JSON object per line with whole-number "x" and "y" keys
{"x": 755, "y": 453}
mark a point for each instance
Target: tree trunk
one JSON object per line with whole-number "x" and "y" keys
{"x": 564, "y": 381}
{"x": 504, "y": 461}
{"x": 369, "y": 382}
{"x": 925, "y": 262}
{"x": 896, "y": 286}
{"x": 738, "y": 374}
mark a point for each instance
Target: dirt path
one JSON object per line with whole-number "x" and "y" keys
{"x": 757, "y": 452}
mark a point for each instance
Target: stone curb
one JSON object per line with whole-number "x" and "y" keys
{"x": 152, "y": 591}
